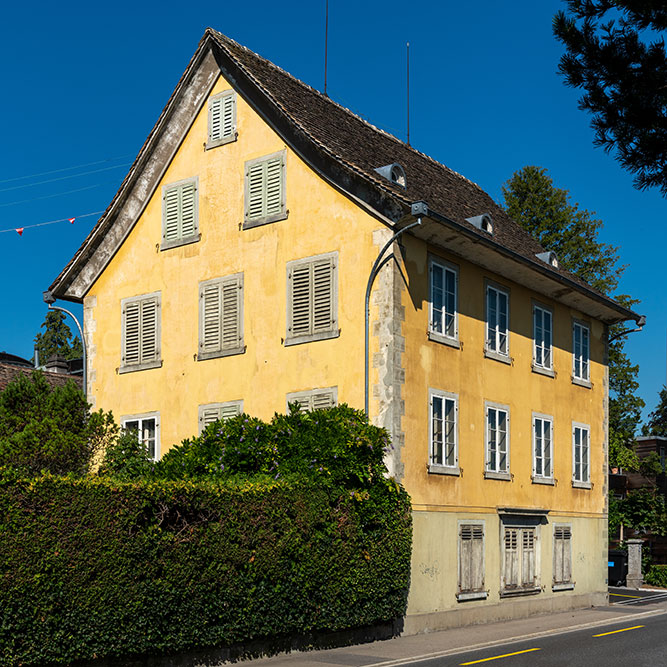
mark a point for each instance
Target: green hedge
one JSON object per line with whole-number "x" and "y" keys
{"x": 96, "y": 567}
{"x": 656, "y": 576}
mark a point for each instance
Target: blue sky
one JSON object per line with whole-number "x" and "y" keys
{"x": 85, "y": 82}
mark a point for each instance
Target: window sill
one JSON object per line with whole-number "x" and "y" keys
{"x": 563, "y": 587}
{"x": 582, "y": 383}
{"x": 258, "y": 222}
{"x": 518, "y": 592}
{"x": 549, "y": 481}
{"x": 221, "y": 142}
{"x": 477, "y": 595}
{"x": 497, "y": 356}
{"x": 175, "y": 243}
{"x": 140, "y": 367}
{"x": 502, "y": 476}
{"x": 541, "y": 370}
{"x": 202, "y": 356}
{"x": 435, "y": 469}
{"x": 445, "y": 340}
{"x": 581, "y": 485}
{"x": 310, "y": 338}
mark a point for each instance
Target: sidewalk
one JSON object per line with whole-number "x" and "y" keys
{"x": 406, "y": 650}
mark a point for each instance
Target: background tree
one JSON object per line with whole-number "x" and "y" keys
{"x": 547, "y": 213}
{"x": 615, "y": 53}
{"x": 657, "y": 420}
{"x": 57, "y": 339}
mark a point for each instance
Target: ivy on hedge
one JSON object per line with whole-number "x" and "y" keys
{"x": 100, "y": 567}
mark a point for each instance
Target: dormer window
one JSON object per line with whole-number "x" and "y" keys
{"x": 483, "y": 222}
{"x": 548, "y": 258}
{"x": 394, "y": 173}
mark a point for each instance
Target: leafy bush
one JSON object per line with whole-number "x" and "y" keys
{"x": 656, "y": 576}
{"x": 126, "y": 458}
{"x": 97, "y": 567}
{"x": 50, "y": 429}
{"x": 337, "y": 446}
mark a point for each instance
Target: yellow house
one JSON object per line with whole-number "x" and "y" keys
{"x": 229, "y": 274}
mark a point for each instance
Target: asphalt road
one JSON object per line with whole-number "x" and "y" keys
{"x": 638, "y": 643}
{"x": 626, "y": 597}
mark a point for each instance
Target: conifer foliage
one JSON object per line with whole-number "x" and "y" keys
{"x": 615, "y": 52}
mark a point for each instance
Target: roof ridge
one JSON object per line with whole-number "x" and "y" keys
{"x": 330, "y": 100}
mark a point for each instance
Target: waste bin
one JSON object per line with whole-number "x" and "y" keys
{"x": 618, "y": 567}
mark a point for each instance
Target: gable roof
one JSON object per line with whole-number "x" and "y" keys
{"x": 10, "y": 372}
{"x": 345, "y": 150}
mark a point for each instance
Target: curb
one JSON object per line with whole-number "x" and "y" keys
{"x": 514, "y": 640}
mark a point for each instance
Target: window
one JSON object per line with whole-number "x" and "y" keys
{"x": 147, "y": 429}
{"x": 221, "y": 317}
{"x": 443, "y": 323}
{"x": 212, "y": 412}
{"x": 315, "y": 399}
{"x": 180, "y": 213}
{"x": 312, "y": 299}
{"x": 497, "y": 442}
{"x": 580, "y": 352}
{"x": 443, "y": 455}
{"x": 542, "y": 336}
{"x": 497, "y": 323}
{"x": 562, "y": 558}
{"x": 265, "y": 190}
{"x": 542, "y": 452}
{"x": 471, "y": 561}
{"x": 221, "y": 119}
{"x": 140, "y": 331}
{"x": 581, "y": 455}
{"x": 519, "y": 560}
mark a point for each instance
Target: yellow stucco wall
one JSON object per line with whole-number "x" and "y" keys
{"x": 320, "y": 220}
{"x": 477, "y": 379}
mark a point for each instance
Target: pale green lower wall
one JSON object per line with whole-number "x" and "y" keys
{"x": 432, "y": 603}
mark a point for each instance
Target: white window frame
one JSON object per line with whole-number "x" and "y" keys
{"x": 581, "y": 481}
{"x": 141, "y": 417}
{"x": 333, "y": 331}
{"x": 443, "y": 467}
{"x": 227, "y": 138}
{"x": 305, "y": 398}
{"x": 521, "y": 588}
{"x": 493, "y": 335}
{"x": 581, "y": 361}
{"x": 222, "y": 351}
{"x": 248, "y": 222}
{"x": 543, "y": 349}
{"x": 438, "y": 321}
{"x": 141, "y": 365}
{"x": 220, "y": 408}
{"x": 562, "y": 584}
{"x": 181, "y": 240}
{"x": 489, "y": 471}
{"x": 541, "y": 477}
{"x": 478, "y": 593}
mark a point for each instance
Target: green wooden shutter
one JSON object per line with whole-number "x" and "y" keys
{"x": 230, "y": 410}
{"x": 149, "y": 330}
{"x": 273, "y": 189}
{"x": 255, "y": 191}
{"x": 231, "y": 314}
{"x": 188, "y": 210}
{"x": 171, "y": 214}
{"x": 210, "y": 313}
{"x": 215, "y": 122}
{"x": 322, "y": 399}
{"x": 228, "y": 124}
{"x": 300, "y": 300}
{"x": 131, "y": 328}
{"x": 323, "y": 316}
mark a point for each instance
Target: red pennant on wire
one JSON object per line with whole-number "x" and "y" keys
{"x": 71, "y": 220}
{"x": 19, "y": 231}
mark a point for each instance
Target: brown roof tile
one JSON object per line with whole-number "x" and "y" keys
{"x": 9, "y": 372}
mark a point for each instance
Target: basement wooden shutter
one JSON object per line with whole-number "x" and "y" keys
{"x": 209, "y": 414}
{"x": 471, "y": 558}
{"x": 265, "y": 189}
{"x": 140, "y": 331}
{"x": 221, "y": 306}
{"x": 179, "y": 213}
{"x": 562, "y": 555}
{"x": 315, "y": 399}
{"x": 311, "y": 298}
{"x": 528, "y": 557}
{"x": 222, "y": 118}
{"x": 511, "y": 574}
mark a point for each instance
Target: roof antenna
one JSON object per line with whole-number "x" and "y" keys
{"x": 326, "y": 45}
{"x": 408, "y": 97}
